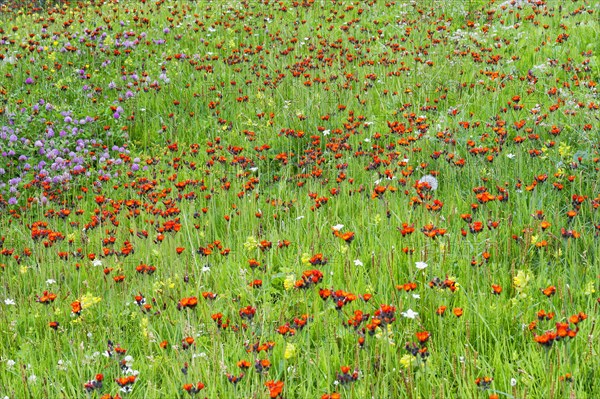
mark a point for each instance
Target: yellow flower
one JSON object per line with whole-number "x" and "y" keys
{"x": 564, "y": 150}
{"x": 88, "y": 300}
{"x": 305, "y": 258}
{"x": 290, "y": 351}
{"x": 407, "y": 360}
{"x": 23, "y": 269}
{"x": 589, "y": 288}
{"x": 521, "y": 280}
{"x": 251, "y": 243}
{"x": 144, "y": 326}
{"x": 289, "y": 281}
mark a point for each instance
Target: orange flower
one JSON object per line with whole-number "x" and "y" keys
{"x": 562, "y": 329}
{"x": 190, "y": 302}
{"x": 275, "y": 388}
{"x": 496, "y": 289}
{"x": 46, "y": 298}
{"x": 76, "y": 307}
{"x": 549, "y": 291}
{"x": 187, "y": 342}
{"x": 243, "y": 364}
{"x": 423, "y": 336}
{"x": 457, "y": 312}
{"x": 441, "y": 310}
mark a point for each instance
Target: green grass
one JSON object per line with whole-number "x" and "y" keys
{"x": 241, "y": 146}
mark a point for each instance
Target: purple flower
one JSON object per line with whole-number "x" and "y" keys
{"x": 29, "y": 81}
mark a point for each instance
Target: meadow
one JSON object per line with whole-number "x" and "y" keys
{"x": 299, "y": 199}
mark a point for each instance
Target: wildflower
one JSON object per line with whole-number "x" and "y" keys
{"x": 275, "y": 388}
{"x": 410, "y": 314}
{"x": 46, "y": 298}
{"x": 243, "y": 364}
{"x": 346, "y": 376}
{"x": 337, "y": 227}
{"x": 428, "y": 181}
{"x": 423, "y": 337}
{"x": 483, "y": 382}
{"x": 262, "y": 365}
{"x": 251, "y": 243}
{"x": 234, "y": 379}
{"x": 288, "y": 282}
{"x": 421, "y": 265}
{"x": 187, "y": 342}
{"x": 193, "y": 389}
{"x": 549, "y": 291}
{"x": 9, "y": 302}
{"x": 521, "y": 280}
{"x": 290, "y": 351}
{"x": 407, "y": 360}
{"x": 190, "y": 303}
{"x": 357, "y": 262}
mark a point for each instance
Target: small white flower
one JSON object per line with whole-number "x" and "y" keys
{"x": 513, "y": 382}
{"x": 300, "y": 217}
{"x": 337, "y": 227}
{"x": 205, "y": 269}
{"x": 128, "y": 360}
{"x": 357, "y": 262}
{"x": 432, "y": 181}
{"x": 416, "y": 296}
{"x": 10, "y": 363}
{"x": 32, "y": 378}
{"x": 421, "y": 265}
{"x": 253, "y": 169}
{"x": 96, "y": 262}
{"x": 50, "y": 281}
{"x": 326, "y": 132}
{"x": 410, "y": 314}
{"x": 9, "y": 301}
{"x": 510, "y": 156}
